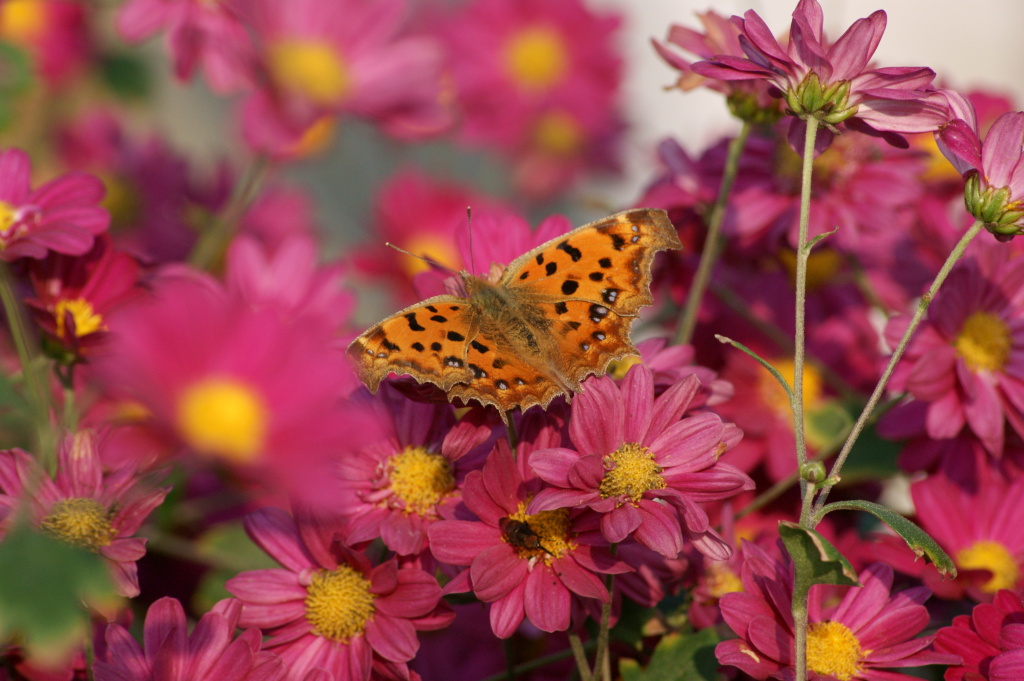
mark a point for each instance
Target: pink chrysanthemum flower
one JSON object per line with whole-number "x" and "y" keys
{"x": 833, "y": 82}
{"x": 200, "y": 34}
{"x": 170, "y": 652}
{"x": 536, "y": 566}
{"x": 83, "y": 505}
{"x": 965, "y": 359}
{"x": 670, "y": 364}
{"x": 396, "y": 487}
{"x": 643, "y": 464}
{"x": 61, "y": 216}
{"x": 990, "y": 640}
{"x": 328, "y": 607}
{"x": 860, "y": 637}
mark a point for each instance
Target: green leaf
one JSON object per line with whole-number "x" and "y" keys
{"x": 772, "y": 370}
{"x": 677, "y": 656}
{"x": 815, "y": 559}
{"x": 44, "y": 587}
{"x": 917, "y": 539}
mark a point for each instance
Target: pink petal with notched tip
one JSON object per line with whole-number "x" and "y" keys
{"x": 546, "y": 601}
{"x": 637, "y": 390}
{"x": 496, "y": 571}
{"x": 620, "y": 523}
{"x": 659, "y": 529}
{"x": 416, "y": 595}
{"x": 507, "y": 614}
{"x": 597, "y": 423}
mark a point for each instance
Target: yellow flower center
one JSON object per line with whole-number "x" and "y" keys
{"x": 993, "y": 556}
{"x": 558, "y": 133}
{"x": 983, "y": 342}
{"x": 938, "y": 168}
{"x": 80, "y": 522}
{"x": 832, "y": 649}
{"x": 544, "y": 535}
{"x": 420, "y": 478}
{"x": 629, "y": 472}
{"x": 429, "y": 246}
{"x": 536, "y": 58}
{"x": 122, "y": 201}
{"x": 822, "y": 266}
{"x": 339, "y": 603}
{"x": 22, "y": 20}
{"x": 310, "y": 68}
{"x": 86, "y": 319}
{"x": 618, "y": 369}
{"x": 719, "y": 579}
{"x": 774, "y": 395}
{"x": 223, "y": 417}
{"x": 12, "y": 225}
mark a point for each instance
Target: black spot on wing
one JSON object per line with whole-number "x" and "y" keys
{"x": 418, "y": 347}
{"x": 571, "y": 251}
{"x": 524, "y": 275}
{"x": 605, "y": 262}
{"x": 569, "y": 287}
{"x": 455, "y": 336}
{"x": 440, "y": 319}
{"x": 479, "y": 347}
{"x": 435, "y": 346}
{"x": 610, "y": 295}
{"x": 540, "y": 258}
{"x": 551, "y": 268}
{"x": 431, "y": 308}
{"x": 561, "y": 308}
{"x": 596, "y": 276}
{"x": 413, "y": 324}
{"x": 617, "y": 242}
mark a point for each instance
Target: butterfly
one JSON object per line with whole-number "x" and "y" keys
{"x": 557, "y": 314}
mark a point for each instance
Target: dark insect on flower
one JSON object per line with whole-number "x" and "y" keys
{"x": 519, "y": 534}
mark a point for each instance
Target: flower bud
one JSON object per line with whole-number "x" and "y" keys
{"x": 813, "y": 472}
{"x": 993, "y": 206}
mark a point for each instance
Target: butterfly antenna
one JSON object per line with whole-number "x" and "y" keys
{"x": 469, "y": 226}
{"x": 429, "y": 261}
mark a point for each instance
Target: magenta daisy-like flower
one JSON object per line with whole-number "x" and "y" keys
{"x": 61, "y": 216}
{"x": 859, "y": 637}
{"x": 536, "y": 565}
{"x": 833, "y": 82}
{"x": 990, "y": 641}
{"x": 411, "y": 477}
{"x": 82, "y": 505}
{"x": 170, "y": 652}
{"x": 967, "y": 358}
{"x": 643, "y": 464}
{"x": 328, "y": 606}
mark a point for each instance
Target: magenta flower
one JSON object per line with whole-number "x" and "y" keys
{"x": 967, "y": 358}
{"x": 328, "y": 607}
{"x": 833, "y": 82}
{"x": 200, "y": 34}
{"x": 55, "y": 33}
{"x": 62, "y": 216}
{"x": 990, "y": 640}
{"x": 396, "y": 487}
{"x": 170, "y": 652}
{"x": 859, "y": 637}
{"x": 643, "y": 464}
{"x": 82, "y": 505}
{"x": 526, "y": 565}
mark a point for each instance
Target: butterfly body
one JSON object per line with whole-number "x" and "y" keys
{"x": 557, "y": 314}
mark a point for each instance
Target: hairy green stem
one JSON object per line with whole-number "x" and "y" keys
{"x": 712, "y": 241}
{"x": 800, "y": 632}
{"x": 579, "y": 655}
{"x": 876, "y": 396}
{"x": 602, "y": 665}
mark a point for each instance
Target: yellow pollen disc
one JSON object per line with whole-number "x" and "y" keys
{"x": 80, "y": 522}
{"x": 8, "y": 220}
{"x": 223, "y": 417}
{"x": 630, "y": 471}
{"x": 833, "y": 649}
{"x": 618, "y": 368}
{"x": 822, "y": 266}
{"x": 339, "y": 603}
{"x": 86, "y": 319}
{"x": 22, "y": 20}
{"x": 536, "y": 58}
{"x": 938, "y": 168}
{"x": 775, "y": 396}
{"x": 558, "y": 133}
{"x": 552, "y": 533}
{"x": 720, "y": 579}
{"x": 984, "y": 342}
{"x": 428, "y": 246}
{"x": 993, "y": 556}
{"x": 420, "y": 478}
{"x": 313, "y": 69}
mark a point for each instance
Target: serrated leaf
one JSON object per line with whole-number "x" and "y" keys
{"x": 815, "y": 559}
{"x": 919, "y": 541}
{"x": 43, "y": 587}
{"x": 677, "y": 656}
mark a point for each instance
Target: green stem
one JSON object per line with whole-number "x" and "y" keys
{"x": 579, "y": 654}
{"x": 802, "y": 253}
{"x": 601, "y": 664}
{"x": 547, "y": 659}
{"x": 35, "y": 383}
{"x": 712, "y": 241}
{"x": 876, "y": 396}
{"x": 214, "y": 241}
{"x": 800, "y": 632}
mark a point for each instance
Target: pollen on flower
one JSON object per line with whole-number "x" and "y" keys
{"x": 618, "y": 369}
{"x": 313, "y": 69}
{"x": 984, "y": 342}
{"x": 720, "y": 579}
{"x": 558, "y": 133}
{"x": 420, "y": 479}
{"x": 775, "y": 396}
{"x": 822, "y": 266}
{"x": 551, "y": 529}
{"x": 81, "y": 522}
{"x": 994, "y": 557}
{"x": 832, "y": 649}
{"x": 22, "y": 20}
{"x": 12, "y": 223}
{"x": 338, "y": 603}
{"x": 81, "y": 310}
{"x": 223, "y": 417}
{"x": 629, "y": 472}
{"x": 536, "y": 58}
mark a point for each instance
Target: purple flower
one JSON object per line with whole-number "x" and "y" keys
{"x": 643, "y": 465}
{"x": 833, "y": 82}
{"x": 62, "y": 216}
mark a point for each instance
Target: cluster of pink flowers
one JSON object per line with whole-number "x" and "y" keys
{"x": 176, "y": 397}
